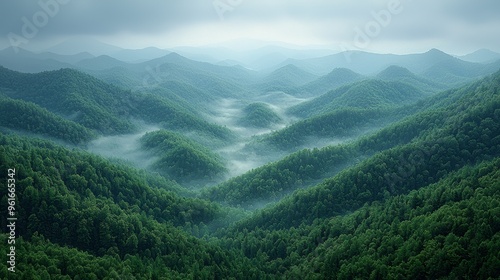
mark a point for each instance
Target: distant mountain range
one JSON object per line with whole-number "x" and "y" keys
{"x": 285, "y": 67}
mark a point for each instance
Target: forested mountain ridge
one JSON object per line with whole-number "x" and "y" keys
{"x": 286, "y": 78}
{"x": 336, "y": 78}
{"x": 28, "y": 117}
{"x": 365, "y": 94}
{"x": 433, "y": 64}
{"x": 465, "y": 132}
{"x": 74, "y": 95}
{"x": 99, "y": 106}
{"x": 106, "y": 213}
{"x": 271, "y": 182}
{"x": 447, "y": 230}
{"x": 397, "y": 73}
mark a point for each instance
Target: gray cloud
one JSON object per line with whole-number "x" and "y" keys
{"x": 316, "y": 21}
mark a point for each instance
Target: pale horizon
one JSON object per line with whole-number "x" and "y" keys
{"x": 390, "y": 26}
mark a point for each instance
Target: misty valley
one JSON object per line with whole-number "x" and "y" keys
{"x": 152, "y": 164}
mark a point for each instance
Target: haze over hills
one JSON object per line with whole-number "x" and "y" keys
{"x": 281, "y": 163}
{"x": 481, "y": 56}
{"x": 427, "y": 64}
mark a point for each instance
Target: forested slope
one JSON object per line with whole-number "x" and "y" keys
{"x": 417, "y": 197}
{"x": 28, "y": 117}
{"x": 466, "y": 132}
{"x": 365, "y": 94}
{"x": 259, "y": 115}
{"x": 446, "y": 230}
{"x": 336, "y": 78}
{"x": 113, "y": 219}
{"x": 101, "y": 107}
{"x": 180, "y": 158}
{"x": 433, "y": 131}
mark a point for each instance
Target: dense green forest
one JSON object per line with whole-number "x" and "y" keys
{"x": 382, "y": 177}
{"x": 342, "y": 123}
{"x": 182, "y": 159}
{"x": 365, "y": 94}
{"x": 29, "y": 117}
{"x": 101, "y": 107}
{"x": 80, "y": 212}
{"x": 336, "y": 78}
{"x": 286, "y": 78}
{"x": 259, "y": 115}
{"x": 401, "y": 74}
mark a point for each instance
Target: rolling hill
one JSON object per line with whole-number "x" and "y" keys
{"x": 99, "y": 106}
{"x": 440, "y": 144}
{"x": 365, "y": 94}
{"x": 401, "y": 74}
{"x": 336, "y": 78}
{"x": 259, "y": 115}
{"x": 428, "y": 64}
{"x": 285, "y": 78}
{"x": 24, "y": 116}
{"x": 181, "y": 159}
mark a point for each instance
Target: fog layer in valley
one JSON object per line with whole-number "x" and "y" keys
{"x": 124, "y": 147}
{"x": 229, "y": 111}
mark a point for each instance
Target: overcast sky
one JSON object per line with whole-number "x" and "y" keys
{"x": 384, "y": 26}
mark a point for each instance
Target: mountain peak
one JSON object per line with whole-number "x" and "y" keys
{"x": 481, "y": 56}
{"x": 394, "y": 72}
{"x": 435, "y": 51}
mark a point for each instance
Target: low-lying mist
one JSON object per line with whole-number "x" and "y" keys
{"x": 228, "y": 112}
{"x": 124, "y": 147}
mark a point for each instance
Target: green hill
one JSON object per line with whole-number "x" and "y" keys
{"x": 415, "y": 152}
{"x": 87, "y": 218}
{"x": 336, "y": 78}
{"x": 401, "y": 74}
{"x": 259, "y": 115}
{"x": 24, "y": 116}
{"x": 285, "y": 79}
{"x": 181, "y": 159}
{"x": 411, "y": 191}
{"x": 73, "y": 95}
{"x": 99, "y": 106}
{"x": 301, "y": 169}
{"x": 365, "y": 94}
{"x": 339, "y": 124}
{"x": 444, "y": 230}
{"x": 453, "y": 71}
